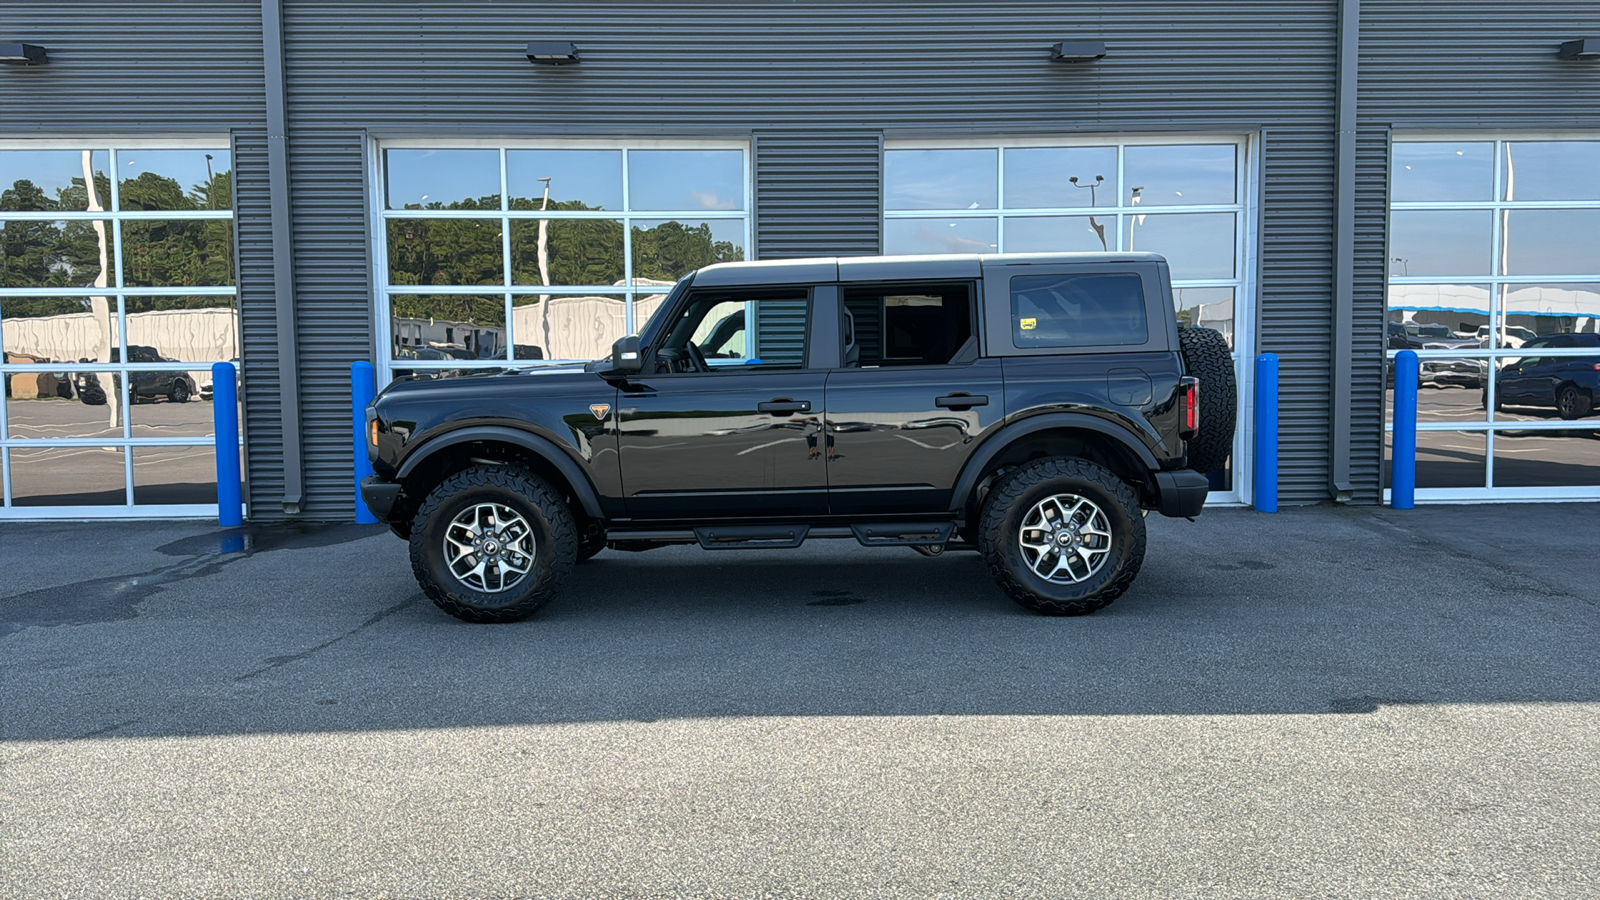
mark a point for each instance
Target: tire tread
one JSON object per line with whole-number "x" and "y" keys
{"x": 1206, "y": 354}
{"x": 1009, "y": 491}
{"x": 536, "y": 492}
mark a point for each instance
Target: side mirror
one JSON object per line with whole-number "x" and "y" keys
{"x": 625, "y": 358}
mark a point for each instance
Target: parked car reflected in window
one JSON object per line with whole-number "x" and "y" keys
{"x": 1567, "y": 384}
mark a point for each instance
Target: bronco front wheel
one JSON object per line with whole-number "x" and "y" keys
{"x": 492, "y": 544}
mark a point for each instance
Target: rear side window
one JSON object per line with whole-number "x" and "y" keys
{"x": 1086, "y": 310}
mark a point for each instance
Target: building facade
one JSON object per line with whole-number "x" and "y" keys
{"x": 294, "y": 185}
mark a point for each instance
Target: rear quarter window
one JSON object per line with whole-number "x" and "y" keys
{"x": 1078, "y": 310}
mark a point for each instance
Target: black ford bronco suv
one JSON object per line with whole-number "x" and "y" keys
{"x": 1026, "y": 407}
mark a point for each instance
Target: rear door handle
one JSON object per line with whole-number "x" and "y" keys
{"x": 961, "y": 401}
{"x": 780, "y": 406}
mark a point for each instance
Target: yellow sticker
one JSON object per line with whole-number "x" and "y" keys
{"x": 1030, "y": 324}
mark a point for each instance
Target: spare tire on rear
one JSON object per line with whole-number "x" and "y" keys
{"x": 1206, "y": 354}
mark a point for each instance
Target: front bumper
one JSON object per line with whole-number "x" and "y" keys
{"x": 379, "y": 496}
{"x": 1182, "y": 492}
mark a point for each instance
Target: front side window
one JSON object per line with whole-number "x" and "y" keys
{"x": 1081, "y": 310}
{"x": 737, "y": 332}
{"x": 523, "y": 253}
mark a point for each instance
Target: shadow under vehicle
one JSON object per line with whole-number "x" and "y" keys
{"x": 1567, "y": 384}
{"x": 174, "y": 385}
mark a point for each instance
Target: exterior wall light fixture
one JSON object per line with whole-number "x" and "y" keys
{"x": 553, "y": 53}
{"x": 1584, "y": 48}
{"x": 17, "y": 54}
{"x": 1077, "y": 51}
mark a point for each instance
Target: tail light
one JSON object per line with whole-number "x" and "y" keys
{"x": 1189, "y": 388}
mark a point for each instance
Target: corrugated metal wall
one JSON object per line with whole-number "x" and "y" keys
{"x": 119, "y": 68}
{"x": 333, "y": 302}
{"x": 258, "y": 325}
{"x": 1477, "y": 65}
{"x": 817, "y": 194}
{"x": 816, "y": 85}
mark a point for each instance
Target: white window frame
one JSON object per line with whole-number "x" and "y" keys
{"x": 1496, "y": 281}
{"x": 383, "y": 338}
{"x": 126, "y": 442}
{"x": 1246, "y": 212}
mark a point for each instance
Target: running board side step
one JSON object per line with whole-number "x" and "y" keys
{"x": 751, "y": 537}
{"x": 903, "y": 534}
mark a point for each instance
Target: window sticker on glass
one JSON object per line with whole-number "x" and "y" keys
{"x": 1030, "y": 324}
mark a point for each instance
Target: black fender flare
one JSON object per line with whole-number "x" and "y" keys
{"x": 997, "y": 443}
{"x": 539, "y": 445}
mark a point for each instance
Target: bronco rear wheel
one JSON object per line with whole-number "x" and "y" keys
{"x": 492, "y": 544}
{"x": 1062, "y": 537}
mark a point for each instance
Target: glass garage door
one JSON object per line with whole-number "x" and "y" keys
{"x": 116, "y": 296}
{"x": 499, "y": 253}
{"x": 1184, "y": 198}
{"x": 1494, "y": 281}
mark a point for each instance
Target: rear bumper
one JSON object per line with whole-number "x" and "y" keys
{"x": 379, "y": 496}
{"x": 1182, "y": 492}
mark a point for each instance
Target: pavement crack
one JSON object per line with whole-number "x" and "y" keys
{"x": 277, "y": 662}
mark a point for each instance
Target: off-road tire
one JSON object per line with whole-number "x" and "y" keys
{"x": 1572, "y": 403}
{"x": 555, "y": 542}
{"x": 180, "y": 392}
{"x": 1207, "y": 357}
{"x": 1015, "y": 494}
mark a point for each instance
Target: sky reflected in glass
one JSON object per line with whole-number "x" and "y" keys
{"x": 1552, "y": 170}
{"x": 578, "y": 179}
{"x": 1442, "y": 171}
{"x": 686, "y": 179}
{"x": 52, "y": 172}
{"x": 1440, "y": 242}
{"x": 442, "y": 179}
{"x": 1041, "y": 177}
{"x": 1552, "y": 242}
{"x": 142, "y": 171}
{"x": 1181, "y": 174}
{"x": 919, "y": 236}
{"x": 1196, "y": 245}
{"x": 1060, "y": 234}
{"x": 940, "y": 179}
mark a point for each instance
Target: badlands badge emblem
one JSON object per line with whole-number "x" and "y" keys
{"x": 600, "y": 409}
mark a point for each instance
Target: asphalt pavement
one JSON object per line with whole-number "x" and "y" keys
{"x": 1324, "y": 702}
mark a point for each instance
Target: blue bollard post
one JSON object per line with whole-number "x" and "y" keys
{"x": 225, "y": 424}
{"x": 1403, "y": 468}
{"x": 363, "y": 387}
{"x": 1266, "y": 468}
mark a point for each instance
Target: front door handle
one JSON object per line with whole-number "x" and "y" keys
{"x": 781, "y": 406}
{"x": 960, "y": 401}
